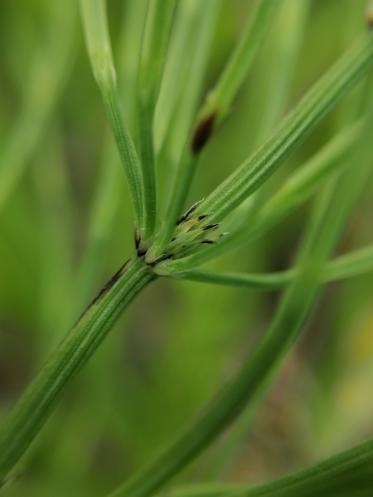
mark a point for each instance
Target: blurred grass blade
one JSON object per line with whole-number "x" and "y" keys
{"x": 100, "y": 54}
{"x": 315, "y": 104}
{"x": 152, "y": 59}
{"x": 351, "y": 264}
{"x": 49, "y": 72}
{"x": 39, "y": 400}
{"x": 345, "y": 474}
{"x": 346, "y": 266}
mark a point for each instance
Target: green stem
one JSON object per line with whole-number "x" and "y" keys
{"x": 300, "y": 122}
{"x": 219, "y": 100}
{"x": 39, "y": 400}
{"x": 213, "y": 112}
{"x": 346, "y": 266}
{"x": 152, "y": 59}
{"x": 295, "y": 191}
{"x": 99, "y": 49}
{"x": 331, "y": 477}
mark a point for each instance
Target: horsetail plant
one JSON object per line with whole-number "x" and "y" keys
{"x": 174, "y": 242}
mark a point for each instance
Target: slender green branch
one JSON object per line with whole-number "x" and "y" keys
{"x": 212, "y": 113}
{"x": 107, "y": 196}
{"x": 189, "y": 88}
{"x": 151, "y": 64}
{"x": 346, "y": 266}
{"x": 100, "y": 54}
{"x": 179, "y": 97}
{"x": 220, "y": 98}
{"x": 277, "y": 69}
{"x": 178, "y": 63}
{"x": 39, "y": 400}
{"x": 340, "y": 475}
{"x": 295, "y": 191}
{"x": 300, "y": 122}
{"x": 279, "y": 61}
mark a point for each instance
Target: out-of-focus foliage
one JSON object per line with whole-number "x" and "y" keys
{"x": 179, "y": 341}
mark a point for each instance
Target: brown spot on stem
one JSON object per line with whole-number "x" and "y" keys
{"x": 202, "y": 133}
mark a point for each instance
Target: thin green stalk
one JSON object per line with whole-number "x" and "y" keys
{"x": 189, "y": 90}
{"x": 220, "y": 98}
{"x": 295, "y": 191}
{"x": 151, "y": 64}
{"x": 352, "y": 264}
{"x": 178, "y": 63}
{"x": 106, "y": 198}
{"x": 100, "y": 54}
{"x": 283, "y": 52}
{"x": 128, "y": 50}
{"x": 39, "y": 400}
{"x": 182, "y": 101}
{"x": 342, "y": 474}
{"x": 277, "y": 69}
{"x": 300, "y": 122}
{"x": 213, "y": 112}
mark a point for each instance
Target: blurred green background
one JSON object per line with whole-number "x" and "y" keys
{"x": 66, "y": 225}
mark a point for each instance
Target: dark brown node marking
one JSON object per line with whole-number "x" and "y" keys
{"x": 202, "y": 133}
{"x": 188, "y": 213}
{"x": 209, "y": 227}
{"x": 202, "y": 217}
{"x": 139, "y": 250}
{"x": 208, "y": 242}
{"x": 161, "y": 258}
{"x": 109, "y": 284}
{"x": 137, "y": 239}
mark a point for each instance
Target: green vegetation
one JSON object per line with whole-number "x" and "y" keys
{"x": 186, "y": 91}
